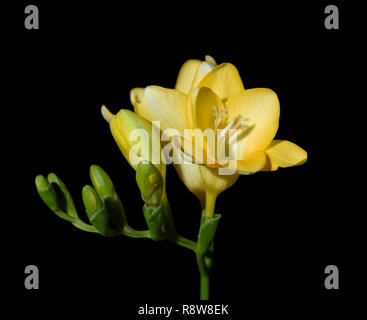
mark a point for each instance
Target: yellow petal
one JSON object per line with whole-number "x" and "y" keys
{"x": 224, "y": 80}
{"x": 190, "y": 176}
{"x": 260, "y": 109}
{"x": 200, "y": 108}
{"x": 253, "y": 163}
{"x": 164, "y": 105}
{"x": 283, "y": 153}
{"x": 186, "y": 75}
{"x": 203, "y": 69}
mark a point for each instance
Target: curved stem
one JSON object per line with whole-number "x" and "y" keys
{"x": 182, "y": 241}
{"x": 84, "y": 226}
{"x": 77, "y": 222}
{"x": 130, "y": 232}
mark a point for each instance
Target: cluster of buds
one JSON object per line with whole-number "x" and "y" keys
{"x": 103, "y": 206}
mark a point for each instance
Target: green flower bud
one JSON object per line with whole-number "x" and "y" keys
{"x": 101, "y": 181}
{"x": 96, "y": 211}
{"x": 103, "y": 184}
{"x": 150, "y": 183}
{"x": 91, "y": 200}
{"x": 47, "y": 193}
{"x": 65, "y": 200}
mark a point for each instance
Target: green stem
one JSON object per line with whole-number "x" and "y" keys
{"x": 83, "y": 226}
{"x": 132, "y": 233}
{"x": 182, "y": 241}
{"x": 75, "y": 221}
{"x": 205, "y": 245}
{"x": 204, "y": 263}
{"x": 204, "y": 286}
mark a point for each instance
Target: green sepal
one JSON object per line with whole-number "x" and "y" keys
{"x": 101, "y": 221}
{"x": 207, "y": 230}
{"x": 154, "y": 218}
{"x": 150, "y": 183}
{"x": 205, "y": 243}
{"x": 65, "y": 201}
{"x": 115, "y": 211}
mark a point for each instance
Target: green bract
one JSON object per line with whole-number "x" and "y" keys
{"x": 207, "y": 231}
{"x": 154, "y": 218}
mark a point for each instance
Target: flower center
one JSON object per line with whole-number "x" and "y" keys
{"x": 226, "y": 135}
{"x": 232, "y": 125}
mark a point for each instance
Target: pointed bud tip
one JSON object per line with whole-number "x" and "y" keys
{"x": 47, "y": 192}
{"x": 102, "y": 183}
{"x": 41, "y": 182}
{"x": 106, "y": 114}
{"x": 210, "y": 59}
{"x": 53, "y": 178}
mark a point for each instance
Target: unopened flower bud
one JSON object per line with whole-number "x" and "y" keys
{"x": 101, "y": 181}
{"x": 47, "y": 192}
{"x": 150, "y": 183}
{"x": 91, "y": 200}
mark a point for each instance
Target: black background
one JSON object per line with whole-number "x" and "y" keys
{"x": 279, "y": 229}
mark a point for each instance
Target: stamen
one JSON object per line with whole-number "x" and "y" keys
{"x": 240, "y": 123}
{"x": 219, "y": 115}
{"x": 232, "y": 127}
{"x": 227, "y": 142}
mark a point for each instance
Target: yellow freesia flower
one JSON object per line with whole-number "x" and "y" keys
{"x": 211, "y": 96}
